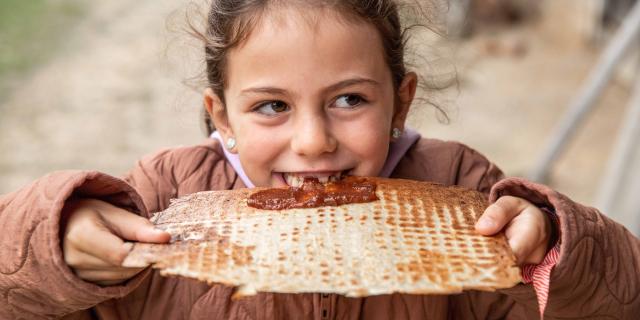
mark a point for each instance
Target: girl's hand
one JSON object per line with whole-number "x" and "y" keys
{"x": 94, "y": 244}
{"x": 527, "y": 228}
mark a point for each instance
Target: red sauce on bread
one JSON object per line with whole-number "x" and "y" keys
{"x": 313, "y": 194}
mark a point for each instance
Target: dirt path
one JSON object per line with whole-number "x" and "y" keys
{"x": 114, "y": 93}
{"x": 111, "y": 95}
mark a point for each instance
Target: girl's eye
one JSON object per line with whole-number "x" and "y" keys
{"x": 272, "y": 108}
{"x": 349, "y": 101}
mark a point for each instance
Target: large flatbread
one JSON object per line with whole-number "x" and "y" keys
{"x": 417, "y": 238}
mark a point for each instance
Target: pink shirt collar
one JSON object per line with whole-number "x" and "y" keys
{"x": 397, "y": 150}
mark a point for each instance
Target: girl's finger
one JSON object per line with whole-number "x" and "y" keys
{"x": 78, "y": 259}
{"x": 100, "y": 276}
{"x": 499, "y": 214}
{"x": 91, "y": 236}
{"x": 527, "y": 236}
{"x": 130, "y": 226}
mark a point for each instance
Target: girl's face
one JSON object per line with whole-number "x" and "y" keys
{"x": 309, "y": 98}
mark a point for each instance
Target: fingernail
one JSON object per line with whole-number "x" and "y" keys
{"x": 485, "y": 223}
{"x": 161, "y": 233}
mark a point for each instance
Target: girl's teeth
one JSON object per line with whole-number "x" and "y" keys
{"x": 294, "y": 181}
{"x": 297, "y": 180}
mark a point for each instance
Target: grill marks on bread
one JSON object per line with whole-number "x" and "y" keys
{"x": 417, "y": 238}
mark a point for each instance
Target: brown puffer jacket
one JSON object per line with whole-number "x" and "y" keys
{"x": 596, "y": 276}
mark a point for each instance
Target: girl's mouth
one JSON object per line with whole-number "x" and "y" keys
{"x": 295, "y": 179}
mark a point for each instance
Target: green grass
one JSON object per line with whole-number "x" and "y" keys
{"x": 30, "y": 32}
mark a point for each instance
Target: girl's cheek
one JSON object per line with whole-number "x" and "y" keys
{"x": 262, "y": 145}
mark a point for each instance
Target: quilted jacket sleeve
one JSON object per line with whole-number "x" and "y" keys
{"x": 35, "y": 282}
{"x": 598, "y": 272}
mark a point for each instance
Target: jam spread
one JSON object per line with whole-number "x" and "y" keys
{"x": 314, "y": 194}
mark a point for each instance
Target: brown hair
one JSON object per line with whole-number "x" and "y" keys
{"x": 229, "y": 22}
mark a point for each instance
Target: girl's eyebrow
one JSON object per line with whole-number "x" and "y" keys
{"x": 350, "y": 82}
{"x": 334, "y": 87}
{"x": 269, "y": 90}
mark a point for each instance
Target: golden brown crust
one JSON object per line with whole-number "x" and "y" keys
{"x": 418, "y": 238}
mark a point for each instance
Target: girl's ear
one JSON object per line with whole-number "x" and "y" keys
{"x": 406, "y": 93}
{"x": 216, "y": 110}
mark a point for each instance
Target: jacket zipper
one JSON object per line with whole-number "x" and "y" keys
{"x": 325, "y": 304}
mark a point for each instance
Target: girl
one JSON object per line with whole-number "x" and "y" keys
{"x": 299, "y": 89}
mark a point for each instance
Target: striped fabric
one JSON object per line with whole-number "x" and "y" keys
{"x": 540, "y": 274}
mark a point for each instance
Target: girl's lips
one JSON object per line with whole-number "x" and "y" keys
{"x": 279, "y": 178}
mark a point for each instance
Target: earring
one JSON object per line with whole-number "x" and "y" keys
{"x": 396, "y": 133}
{"x": 231, "y": 143}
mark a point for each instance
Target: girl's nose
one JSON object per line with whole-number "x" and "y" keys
{"x": 312, "y": 137}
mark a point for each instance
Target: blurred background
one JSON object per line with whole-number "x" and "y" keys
{"x": 98, "y": 84}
